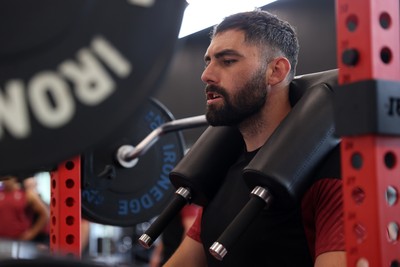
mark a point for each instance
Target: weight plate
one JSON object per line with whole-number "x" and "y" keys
{"x": 114, "y": 195}
{"x": 71, "y": 72}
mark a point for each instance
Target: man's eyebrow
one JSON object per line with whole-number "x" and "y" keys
{"x": 225, "y": 52}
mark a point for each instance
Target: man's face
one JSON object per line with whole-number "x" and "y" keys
{"x": 9, "y": 181}
{"x": 236, "y": 81}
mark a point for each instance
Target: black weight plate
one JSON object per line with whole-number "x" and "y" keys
{"x": 120, "y": 196}
{"x": 71, "y": 72}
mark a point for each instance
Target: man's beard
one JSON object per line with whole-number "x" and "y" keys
{"x": 248, "y": 100}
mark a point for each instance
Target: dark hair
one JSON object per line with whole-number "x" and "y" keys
{"x": 262, "y": 28}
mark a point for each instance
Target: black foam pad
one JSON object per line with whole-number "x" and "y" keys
{"x": 303, "y": 139}
{"x": 206, "y": 163}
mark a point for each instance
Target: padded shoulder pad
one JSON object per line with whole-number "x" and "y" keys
{"x": 302, "y": 82}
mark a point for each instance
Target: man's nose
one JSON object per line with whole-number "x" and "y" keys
{"x": 209, "y": 76}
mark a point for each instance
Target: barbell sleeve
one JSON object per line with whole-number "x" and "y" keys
{"x": 180, "y": 199}
{"x": 260, "y": 198}
{"x": 128, "y": 154}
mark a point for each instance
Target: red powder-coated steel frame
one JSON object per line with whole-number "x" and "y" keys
{"x": 370, "y": 162}
{"x": 65, "y": 209}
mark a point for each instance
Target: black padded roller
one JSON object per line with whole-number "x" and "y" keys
{"x": 198, "y": 175}
{"x": 297, "y": 146}
{"x": 180, "y": 199}
{"x": 205, "y": 165}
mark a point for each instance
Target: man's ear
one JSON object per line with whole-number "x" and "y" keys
{"x": 278, "y": 70}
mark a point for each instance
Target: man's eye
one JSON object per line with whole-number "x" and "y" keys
{"x": 229, "y": 61}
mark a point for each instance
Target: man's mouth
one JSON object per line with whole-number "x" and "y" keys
{"x": 212, "y": 96}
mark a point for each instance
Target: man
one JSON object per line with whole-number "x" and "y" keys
{"x": 250, "y": 63}
{"x": 17, "y": 210}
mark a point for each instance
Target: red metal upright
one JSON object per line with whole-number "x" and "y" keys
{"x": 65, "y": 209}
{"x": 368, "y": 38}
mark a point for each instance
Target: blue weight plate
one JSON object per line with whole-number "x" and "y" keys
{"x": 114, "y": 195}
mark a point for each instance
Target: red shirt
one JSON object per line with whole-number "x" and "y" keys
{"x": 15, "y": 219}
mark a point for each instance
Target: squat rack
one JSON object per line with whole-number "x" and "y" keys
{"x": 368, "y": 52}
